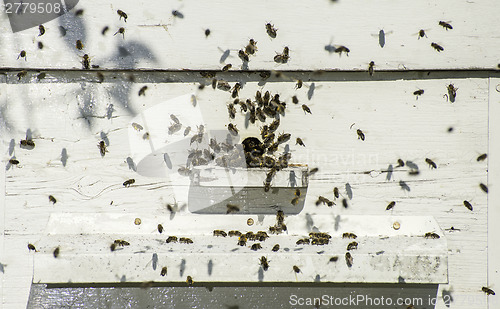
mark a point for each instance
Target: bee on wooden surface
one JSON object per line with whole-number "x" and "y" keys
{"x": 234, "y": 233}
{"x": 104, "y": 30}
{"x": 236, "y": 90}
{"x": 333, "y": 259}
{"x": 352, "y": 246}
{"x": 207, "y": 74}
{"x": 56, "y": 252}
{"x": 283, "y": 138}
{"x": 437, "y": 47}
{"x": 348, "y": 259}
{"x": 431, "y": 163}
{"x": 306, "y": 109}
{"x": 265, "y": 74}
{"x": 452, "y": 92}
{"x": 163, "y": 272}
{"x": 418, "y": 93}
{"x": 22, "y": 54}
{"x": 21, "y": 74}
{"x": 320, "y": 235}
{"x": 129, "y": 182}
{"x": 323, "y": 200}
{"x": 391, "y": 205}
{"x": 41, "y": 76}
{"x": 232, "y": 208}
{"x": 251, "y": 48}
{"x": 232, "y": 129}
{"x": 207, "y": 32}
{"x": 227, "y": 67}
{"x": 482, "y": 157}
{"x": 142, "y": 91}
{"x": 86, "y": 62}
{"x": 171, "y": 239}
{"x": 488, "y": 291}
{"x": 185, "y": 240}
{"x": 421, "y": 33}
{"x": 295, "y": 200}
{"x": 295, "y": 100}
{"x": 302, "y": 241}
{"x": 189, "y": 280}
{"x": 296, "y": 269}
{"x": 40, "y": 45}
{"x": 483, "y": 187}
{"x": 220, "y": 233}
{"x": 41, "y": 28}
{"x": 242, "y": 240}
{"x": 251, "y": 236}
{"x": 52, "y": 199}
{"x": 121, "y": 242}
{"x": 299, "y": 83}
{"x": 102, "y": 148}
{"x": 214, "y": 83}
{"x": 361, "y": 135}
{"x": 275, "y": 248}
{"x": 342, "y": 49}
{"x": 468, "y": 205}
{"x": 264, "y": 263}
{"x": 445, "y": 25}
{"x": 299, "y": 141}
{"x": 121, "y": 31}
{"x": 271, "y": 31}
{"x": 187, "y": 130}
{"x": 243, "y": 55}
{"x": 256, "y": 247}
{"x": 79, "y": 45}
{"x": 349, "y": 235}
{"x": 260, "y": 114}
{"x": 160, "y": 228}
{"x": 370, "y": 68}
{"x": 283, "y": 57}
{"x": 274, "y": 125}
{"x": 431, "y": 235}
{"x": 223, "y": 85}
{"x": 32, "y": 247}
{"x": 13, "y": 161}
{"x": 27, "y": 143}
{"x": 174, "y": 128}
{"x": 336, "y": 192}
{"x": 266, "y": 97}
{"x": 231, "y": 111}
{"x": 122, "y": 14}
{"x": 401, "y": 163}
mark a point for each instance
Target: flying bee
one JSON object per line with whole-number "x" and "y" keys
{"x": 421, "y": 33}
{"x": 86, "y": 62}
{"x": 370, "y": 68}
{"x": 171, "y": 239}
{"x": 271, "y": 31}
{"x": 296, "y": 269}
{"x": 251, "y": 47}
{"x": 22, "y": 54}
{"x": 232, "y": 129}
{"x": 299, "y": 141}
{"x": 185, "y": 240}
{"x": 220, "y": 233}
{"x": 295, "y": 100}
{"x": 227, "y": 67}
{"x": 431, "y": 235}
{"x": 488, "y": 291}
{"x": 142, "y": 91}
{"x": 336, "y": 192}
{"x": 189, "y": 280}
{"x": 306, "y": 109}
{"x": 483, "y": 187}
{"x": 342, "y": 49}
{"x": 231, "y": 110}
{"x": 41, "y": 28}
{"x": 163, "y": 272}
{"x": 32, "y": 247}
{"x": 264, "y": 263}
{"x": 232, "y": 208}
{"x": 437, "y": 47}
{"x": 468, "y": 205}
{"x": 52, "y": 199}
{"x": 79, "y": 45}
{"x": 79, "y": 12}
{"x": 313, "y": 171}
{"x": 482, "y": 157}
{"x": 348, "y": 259}
{"x": 431, "y": 163}
{"x": 256, "y": 247}
{"x": 129, "y": 182}
{"x": 122, "y": 14}
{"x": 419, "y": 92}
{"x": 102, "y": 148}
{"x": 361, "y": 135}
{"x": 121, "y": 31}
{"x": 391, "y": 205}
{"x": 349, "y": 235}
{"x": 352, "y": 246}
{"x": 243, "y": 55}
{"x": 40, "y": 45}
{"x": 56, "y": 252}
{"x": 445, "y": 25}
{"x": 298, "y": 85}
{"x": 452, "y": 92}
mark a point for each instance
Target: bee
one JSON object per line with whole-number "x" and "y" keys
{"x": 437, "y": 47}
{"x": 175, "y": 128}
{"x": 283, "y": 138}
{"x": 227, "y": 67}
{"x": 232, "y": 208}
{"x": 313, "y": 171}
{"x": 41, "y": 28}
{"x": 296, "y": 269}
{"x": 352, "y": 246}
{"x": 102, "y": 148}
{"x": 127, "y": 183}
{"x": 122, "y": 14}
{"x": 431, "y": 235}
{"x": 295, "y": 100}
{"x": 271, "y": 31}
{"x": 349, "y": 235}
{"x": 214, "y": 83}
{"x": 171, "y": 239}
{"x": 56, "y": 252}
{"x": 220, "y": 233}
{"x": 137, "y": 126}
{"x": 295, "y": 200}
{"x": 223, "y": 85}
{"x": 283, "y": 57}
{"x": 251, "y": 48}
{"x": 324, "y": 200}
{"x": 231, "y": 110}
{"x": 361, "y": 135}
{"x": 260, "y": 114}
{"x": 79, "y": 45}
{"x": 236, "y": 89}
{"x": 163, "y": 271}
{"x": 121, "y": 243}
{"x": 306, "y": 109}
{"x": 256, "y": 247}
{"x": 27, "y": 143}
{"x": 104, "y": 30}
{"x": 275, "y": 248}
{"x": 177, "y": 14}
{"x": 234, "y": 233}
{"x": 232, "y": 129}
{"x": 299, "y": 141}
{"x": 280, "y": 217}
{"x": 207, "y": 32}
{"x": 452, "y": 92}
{"x": 342, "y": 49}
{"x": 86, "y": 62}
{"x": 142, "y": 91}
{"x": 160, "y": 228}
{"x": 298, "y": 85}
{"x": 482, "y": 157}
{"x": 79, "y": 12}
{"x": 302, "y": 241}
{"x": 348, "y": 259}
{"x": 243, "y": 55}
{"x": 421, "y": 33}
{"x": 242, "y": 240}
{"x": 468, "y": 205}
{"x": 266, "y": 97}
{"x": 431, "y": 163}
{"x": 370, "y": 68}
{"x": 13, "y": 161}
{"x": 445, "y": 25}
{"x": 274, "y": 125}
{"x": 52, "y": 199}
{"x": 488, "y": 291}
{"x": 40, "y": 76}
{"x": 32, "y": 247}
{"x": 22, "y": 54}
{"x": 121, "y": 31}
{"x": 483, "y": 187}
{"x": 419, "y": 92}
{"x": 21, "y": 74}
{"x": 336, "y": 192}
{"x": 40, "y": 45}
{"x": 264, "y": 263}
{"x": 333, "y": 259}
{"x": 391, "y": 205}
{"x": 265, "y": 74}
{"x": 185, "y": 240}
{"x": 189, "y": 280}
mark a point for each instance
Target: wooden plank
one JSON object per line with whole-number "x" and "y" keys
{"x": 155, "y": 39}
